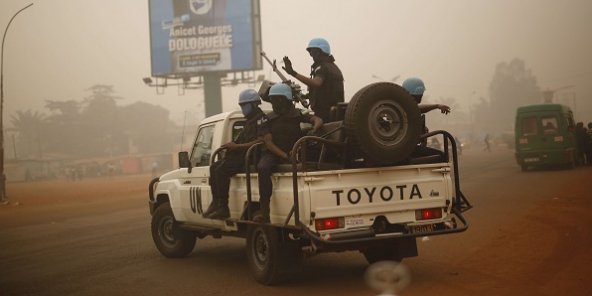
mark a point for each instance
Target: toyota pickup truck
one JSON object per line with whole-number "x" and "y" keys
{"x": 355, "y": 187}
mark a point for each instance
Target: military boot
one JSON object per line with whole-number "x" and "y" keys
{"x": 262, "y": 215}
{"x": 222, "y": 212}
{"x": 212, "y": 208}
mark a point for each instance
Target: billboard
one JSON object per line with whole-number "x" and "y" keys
{"x": 191, "y": 37}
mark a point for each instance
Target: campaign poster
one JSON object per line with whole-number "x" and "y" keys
{"x": 191, "y": 37}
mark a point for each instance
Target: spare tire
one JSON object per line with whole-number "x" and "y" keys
{"x": 383, "y": 122}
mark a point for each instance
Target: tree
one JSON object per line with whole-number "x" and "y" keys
{"x": 102, "y": 122}
{"x": 30, "y": 127}
{"x": 512, "y": 85}
{"x": 64, "y": 127}
{"x": 148, "y": 127}
{"x": 96, "y": 126}
{"x": 68, "y": 109}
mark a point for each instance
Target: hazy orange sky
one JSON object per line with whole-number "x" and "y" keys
{"x": 58, "y": 48}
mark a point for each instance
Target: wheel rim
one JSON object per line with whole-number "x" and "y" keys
{"x": 386, "y": 121}
{"x": 260, "y": 249}
{"x": 166, "y": 231}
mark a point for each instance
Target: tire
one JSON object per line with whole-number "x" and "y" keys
{"x": 383, "y": 253}
{"x": 384, "y": 122}
{"x": 271, "y": 261}
{"x": 170, "y": 240}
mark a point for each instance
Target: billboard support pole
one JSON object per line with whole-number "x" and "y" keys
{"x": 212, "y": 93}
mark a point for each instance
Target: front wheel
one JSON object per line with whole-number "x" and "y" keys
{"x": 169, "y": 239}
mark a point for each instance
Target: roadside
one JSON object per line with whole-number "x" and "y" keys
{"x": 50, "y": 201}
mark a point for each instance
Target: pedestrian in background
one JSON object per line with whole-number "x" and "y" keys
{"x": 487, "y": 145}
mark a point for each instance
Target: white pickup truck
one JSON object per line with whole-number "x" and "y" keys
{"x": 354, "y": 188}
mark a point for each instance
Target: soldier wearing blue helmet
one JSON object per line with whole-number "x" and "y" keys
{"x": 279, "y": 131}
{"x": 415, "y": 87}
{"x": 325, "y": 83}
{"x": 234, "y": 162}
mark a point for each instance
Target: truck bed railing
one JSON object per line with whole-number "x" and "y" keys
{"x": 461, "y": 203}
{"x": 293, "y": 158}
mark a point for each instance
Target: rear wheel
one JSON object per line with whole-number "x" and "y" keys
{"x": 384, "y": 122}
{"x": 271, "y": 258}
{"x": 169, "y": 239}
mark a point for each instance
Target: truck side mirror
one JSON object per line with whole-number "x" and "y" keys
{"x": 184, "y": 160}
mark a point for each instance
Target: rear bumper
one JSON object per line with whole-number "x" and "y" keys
{"x": 356, "y": 239}
{"x": 544, "y": 157}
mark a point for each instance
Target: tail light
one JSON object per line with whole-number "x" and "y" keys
{"x": 428, "y": 214}
{"x": 329, "y": 223}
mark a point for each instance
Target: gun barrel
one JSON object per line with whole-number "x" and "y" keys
{"x": 274, "y": 67}
{"x": 298, "y": 95}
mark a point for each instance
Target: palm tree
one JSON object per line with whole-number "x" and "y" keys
{"x": 30, "y": 127}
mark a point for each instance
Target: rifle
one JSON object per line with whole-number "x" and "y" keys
{"x": 296, "y": 89}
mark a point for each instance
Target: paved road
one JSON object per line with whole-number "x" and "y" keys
{"x": 519, "y": 243}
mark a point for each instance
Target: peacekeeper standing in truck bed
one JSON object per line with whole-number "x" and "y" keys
{"x": 279, "y": 130}
{"x": 222, "y": 170}
{"x": 325, "y": 84}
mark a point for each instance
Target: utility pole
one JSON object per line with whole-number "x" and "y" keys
{"x": 3, "y": 198}
{"x": 549, "y": 94}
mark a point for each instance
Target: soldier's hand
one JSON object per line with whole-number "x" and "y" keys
{"x": 288, "y": 155}
{"x": 444, "y": 109}
{"x": 230, "y": 145}
{"x": 288, "y": 66}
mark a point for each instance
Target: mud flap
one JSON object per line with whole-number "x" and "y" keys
{"x": 407, "y": 247}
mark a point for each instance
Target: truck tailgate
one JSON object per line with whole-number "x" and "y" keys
{"x": 360, "y": 195}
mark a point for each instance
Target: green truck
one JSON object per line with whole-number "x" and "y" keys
{"x": 545, "y": 136}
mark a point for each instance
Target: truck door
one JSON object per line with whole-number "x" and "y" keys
{"x": 550, "y": 132}
{"x": 195, "y": 189}
{"x": 527, "y": 133}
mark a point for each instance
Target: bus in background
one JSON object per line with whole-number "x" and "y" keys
{"x": 545, "y": 135}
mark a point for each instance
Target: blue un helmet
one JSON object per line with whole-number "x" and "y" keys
{"x": 280, "y": 89}
{"x": 281, "y": 98}
{"x": 249, "y": 96}
{"x": 320, "y": 43}
{"x": 415, "y": 88}
{"x": 247, "y": 100}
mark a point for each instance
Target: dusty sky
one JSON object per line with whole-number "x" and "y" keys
{"x": 58, "y": 48}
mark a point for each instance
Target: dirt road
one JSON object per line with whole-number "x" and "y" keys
{"x": 529, "y": 234}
